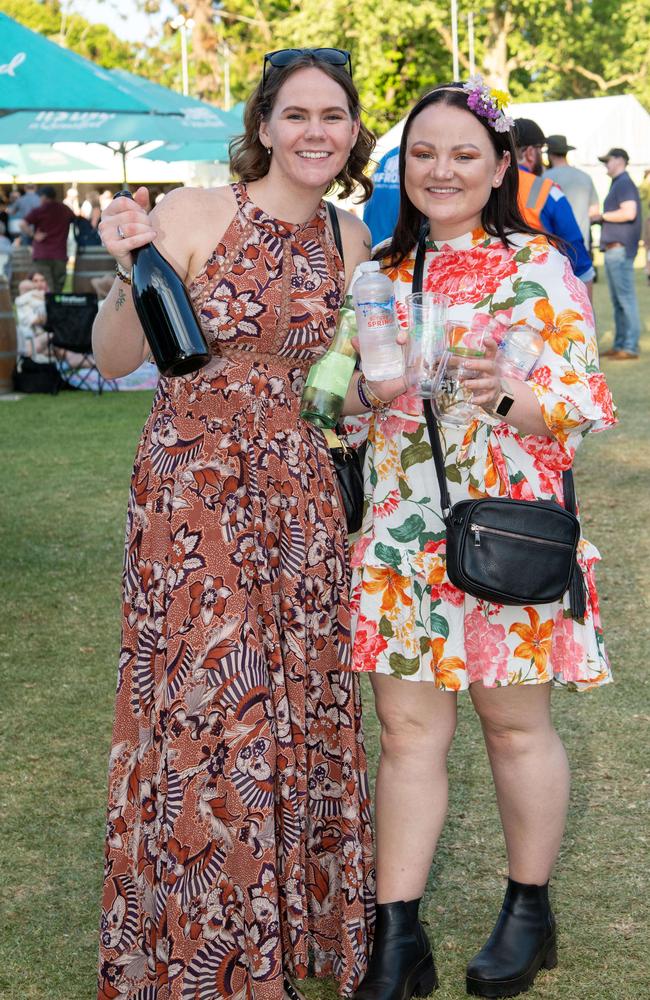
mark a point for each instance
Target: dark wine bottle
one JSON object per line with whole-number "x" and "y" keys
{"x": 166, "y": 312}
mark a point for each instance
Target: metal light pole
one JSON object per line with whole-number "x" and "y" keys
{"x": 470, "y": 33}
{"x": 227, "y": 100}
{"x": 454, "y": 37}
{"x": 183, "y": 24}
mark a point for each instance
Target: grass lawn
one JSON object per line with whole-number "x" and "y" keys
{"x": 65, "y": 473}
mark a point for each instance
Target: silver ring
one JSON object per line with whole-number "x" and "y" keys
{"x": 120, "y": 233}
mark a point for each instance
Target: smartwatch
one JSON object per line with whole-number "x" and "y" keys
{"x": 503, "y": 404}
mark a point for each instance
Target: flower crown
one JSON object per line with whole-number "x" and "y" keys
{"x": 488, "y": 103}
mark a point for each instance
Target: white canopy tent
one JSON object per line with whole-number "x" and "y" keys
{"x": 592, "y": 125}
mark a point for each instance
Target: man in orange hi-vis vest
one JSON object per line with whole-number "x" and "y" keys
{"x": 542, "y": 203}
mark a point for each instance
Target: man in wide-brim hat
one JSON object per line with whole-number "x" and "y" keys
{"x": 576, "y": 184}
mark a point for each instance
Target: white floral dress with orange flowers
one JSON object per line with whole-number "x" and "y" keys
{"x": 409, "y": 621}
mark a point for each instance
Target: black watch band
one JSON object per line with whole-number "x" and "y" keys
{"x": 503, "y": 404}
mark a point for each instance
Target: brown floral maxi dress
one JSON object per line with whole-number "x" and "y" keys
{"x": 239, "y": 837}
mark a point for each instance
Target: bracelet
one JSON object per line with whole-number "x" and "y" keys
{"x": 369, "y": 398}
{"x": 123, "y": 274}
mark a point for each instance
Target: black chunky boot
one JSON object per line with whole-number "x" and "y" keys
{"x": 401, "y": 965}
{"x": 522, "y": 943}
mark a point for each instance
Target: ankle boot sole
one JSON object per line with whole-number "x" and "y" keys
{"x": 422, "y": 980}
{"x": 545, "y": 959}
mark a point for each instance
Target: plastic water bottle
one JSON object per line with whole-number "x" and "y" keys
{"x": 374, "y": 304}
{"x": 519, "y": 352}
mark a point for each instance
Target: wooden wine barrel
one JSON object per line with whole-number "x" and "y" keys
{"x": 7, "y": 337}
{"x": 21, "y": 266}
{"x": 91, "y": 262}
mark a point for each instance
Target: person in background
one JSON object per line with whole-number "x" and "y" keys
{"x": 105, "y": 199}
{"x": 72, "y": 199}
{"x": 644, "y": 194}
{"x": 4, "y": 215}
{"x": 20, "y": 209}
{"x": 421, "y": 639}
{"x": 380, "y": 213}
{"x": 29, "y": 304}
{"x": 619, "y": 241}
{"x": 542, "y": 203}
{"x": 49, "y": 223}
{"x": 85, "y": 224}
{"x": 576, "y": 184}
{"x": 5, "y": 253}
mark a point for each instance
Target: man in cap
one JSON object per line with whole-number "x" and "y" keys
{"x": 619, "y": 241}
{"x": 576, "y": 184}
{"x": 542, "y": 203}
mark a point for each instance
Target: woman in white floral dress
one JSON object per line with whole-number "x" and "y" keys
{"x": 424, "y": 640}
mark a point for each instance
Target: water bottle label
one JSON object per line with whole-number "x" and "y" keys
{"x": 332, "y": 373}
{"x": 378, "y": 315}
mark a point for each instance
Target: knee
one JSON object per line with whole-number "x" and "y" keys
{"x": 409, "y": 737}
{"x": 511, "y": 739}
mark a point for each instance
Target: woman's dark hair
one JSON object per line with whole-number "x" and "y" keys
{"x": 500, "y": 216}
{"x": 249, "y": 158}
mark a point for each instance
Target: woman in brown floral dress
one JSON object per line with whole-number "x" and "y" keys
{"x": 239, "y": 842}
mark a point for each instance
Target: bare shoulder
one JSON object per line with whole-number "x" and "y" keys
{"x": 187, "y": 203}
{"x": 190, "y": 223}
{"x": 353, "y": 228}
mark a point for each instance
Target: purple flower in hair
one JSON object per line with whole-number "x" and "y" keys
{"x": 488, "y": 103}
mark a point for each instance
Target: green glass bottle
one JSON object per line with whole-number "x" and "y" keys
{"x": 328, "y": 379}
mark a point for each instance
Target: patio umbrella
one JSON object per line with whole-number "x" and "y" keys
{"x": 173, "y": 118}
{"x": 31, "y": 161}
{"x": 163, "y": 100}
{"x": 38, "y": 75}
{"x": 204, "y": 124}
{"x": 196, "y": 152}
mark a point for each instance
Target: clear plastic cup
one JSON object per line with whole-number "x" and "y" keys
{"x": 452, "y": 397}
{"x": 427, "y": 319}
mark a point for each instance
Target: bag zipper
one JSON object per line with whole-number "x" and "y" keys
{"x": 478, "y": 528}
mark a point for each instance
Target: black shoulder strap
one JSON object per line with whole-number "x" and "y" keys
{"x": 336, "y": 229}
{"x": 432, "y": 425}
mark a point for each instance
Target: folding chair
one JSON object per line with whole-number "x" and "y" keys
{"x": 69, "y": 322}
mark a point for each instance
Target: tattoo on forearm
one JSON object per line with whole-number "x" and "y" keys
{"x": 121, "y": 299}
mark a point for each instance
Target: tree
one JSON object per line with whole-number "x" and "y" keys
{"x": 554, "y": 49}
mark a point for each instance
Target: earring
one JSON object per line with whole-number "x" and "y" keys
{"x": 269, "y": 149}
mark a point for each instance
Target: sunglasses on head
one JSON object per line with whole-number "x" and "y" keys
{"x": 284, "y": 57}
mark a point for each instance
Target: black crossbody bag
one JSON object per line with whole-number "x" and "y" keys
{"x": 508, "y": 551}
{"x": 347, "y": 461}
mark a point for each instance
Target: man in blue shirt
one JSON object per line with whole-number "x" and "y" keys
{"x": 380, "y": 213}
{"x": 619, "y": 241}
{"x": 554, "y": 214}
